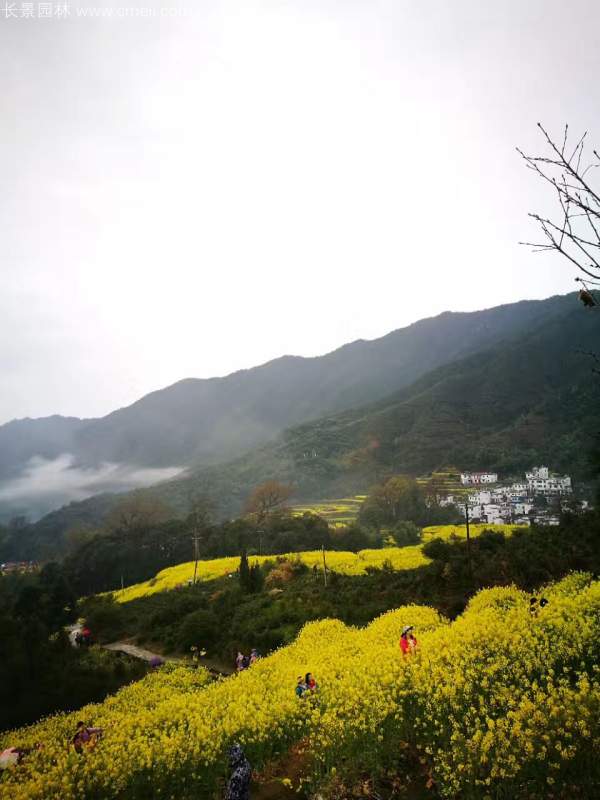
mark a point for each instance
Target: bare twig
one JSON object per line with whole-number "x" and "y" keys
{"x": 576, "y": 236}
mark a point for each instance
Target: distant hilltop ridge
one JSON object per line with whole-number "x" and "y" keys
{"x": 198, "y": 423}
{"x": 530, "y": 398}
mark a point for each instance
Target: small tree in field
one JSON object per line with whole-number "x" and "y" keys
{"x": 266, "y": 498}
{"x": 244, "y": 572}
{"x": 251, "y": 577}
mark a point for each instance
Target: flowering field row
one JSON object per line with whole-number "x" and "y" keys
{"x": 460, "y": 531}
{"x": 495, "y": 701}
{"x": 343, "y": 562}
{"x": 339, "y": 561}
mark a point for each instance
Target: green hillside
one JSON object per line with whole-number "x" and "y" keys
{"x": 530, "y": 400}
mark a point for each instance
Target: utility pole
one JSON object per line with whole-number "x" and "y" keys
{"x": 195, "y": 540}
{"x": 324, "y": 565}
{"x": 260, "y": 533}
{"x": 469, "y": 539}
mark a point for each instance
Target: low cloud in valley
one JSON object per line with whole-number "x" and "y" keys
{"x": 45, "y": 484}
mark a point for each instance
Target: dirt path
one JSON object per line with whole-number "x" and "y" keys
{"x": 129, "y": 648}
{"x": 282, "y": 778}
{"x": 291, "y": 766}
{"x": 140, "y": 652}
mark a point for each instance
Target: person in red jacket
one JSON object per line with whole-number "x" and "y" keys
{"x": 408, "y": 641}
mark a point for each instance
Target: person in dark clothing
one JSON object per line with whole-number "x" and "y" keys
{"x": 238, "y": 787}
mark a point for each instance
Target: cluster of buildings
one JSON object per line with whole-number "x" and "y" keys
{"x": 18, "y": 567}
{"x": 514, "y": 503}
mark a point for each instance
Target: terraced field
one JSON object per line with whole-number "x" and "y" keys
{"x": 343, "y": 511}
{"x": 338, "y": 513}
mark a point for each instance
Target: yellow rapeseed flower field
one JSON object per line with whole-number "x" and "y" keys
{"x": 338, "y": 561}
{"x": 346, "y": 563}
{"x": 493, "y": 702}
{"x": 460, "y": 531}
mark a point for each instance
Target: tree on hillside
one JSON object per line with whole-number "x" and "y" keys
{"x": 265, "y": 499}
{"x": 201, "y": 511}
{"x": 199, "y": 519}
{"x": 435, "y": 489}
{"x": 399, "y": 498}
{"x": 250, "y": 576}
{"x": 78, "y": 535}
{"x": 244, "y": 572}
{"x": 136, "y": 511}
{"x": 575, "y": 231}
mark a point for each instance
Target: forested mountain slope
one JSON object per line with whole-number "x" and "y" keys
{"x": 530, "y": 400}
{"x": 205, "y": 421}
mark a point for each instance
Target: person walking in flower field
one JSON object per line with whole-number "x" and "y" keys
{"x": 238, "y": 787}
{"x": 85, "y": 737}
{"x": 239, "y": 661}
{"x": 408, "y": 641}
{"x": 310, "y": 683}
{"x": 300, "y": 687}
{"x": 12, "y": 756}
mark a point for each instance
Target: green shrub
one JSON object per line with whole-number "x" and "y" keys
{"x": 198, "y": 628}
{"x": 407, "y": 533}
{"x": 104, "y": 617}
{"x": 438, "y": 550}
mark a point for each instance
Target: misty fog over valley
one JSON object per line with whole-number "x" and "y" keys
{"x": 45, "y": 484}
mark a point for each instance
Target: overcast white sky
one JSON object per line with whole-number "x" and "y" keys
{"x": 193, "y": 195}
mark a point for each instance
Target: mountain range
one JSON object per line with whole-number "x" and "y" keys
{"x": 198, "y": 422}
{"x": 501, "y": 388}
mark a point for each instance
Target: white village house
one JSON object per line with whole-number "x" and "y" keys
{"x": 514, "y": 503}
{"x": 478, "y": 478}
{"x": 540, "y": 481}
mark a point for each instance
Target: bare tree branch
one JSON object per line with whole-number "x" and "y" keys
{"x": 576, "y": 234}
